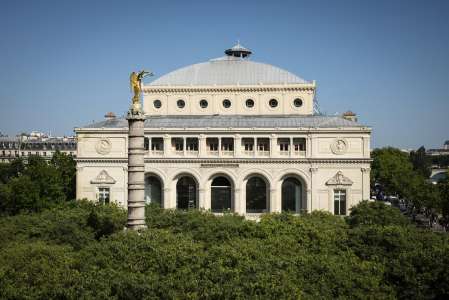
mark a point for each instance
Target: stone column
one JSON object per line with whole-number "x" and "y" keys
{"x": 136, "y": 170}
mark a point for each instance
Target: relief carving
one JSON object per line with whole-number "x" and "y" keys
{"x": 339, "y": 146}
{"x": 103, "y": 146}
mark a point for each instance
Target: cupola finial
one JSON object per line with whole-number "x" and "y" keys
{"x": 238, "y": 51}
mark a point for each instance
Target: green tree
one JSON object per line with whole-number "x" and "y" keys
{"x": 421, "y": 162}
{"x": 66, "y": 166}
{"x": 375, "y": 213}
{"x": 20, "y": 194}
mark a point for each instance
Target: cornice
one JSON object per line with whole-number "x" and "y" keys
{"x": 225, "y": 89}
{"x": 233, "y": 161}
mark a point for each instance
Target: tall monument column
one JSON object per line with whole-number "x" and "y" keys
{"x": 136, "y": 152}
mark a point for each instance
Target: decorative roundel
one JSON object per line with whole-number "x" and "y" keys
{"x": 157, "y": 104}
{"x": 181, "y": 103}
{"x": 103, "y": 146}
{"x": 297, "y": 102}
{"x": 226, "y": 103}
{"x": 249, "y": 103}
{"x": 339, "y": 146}
{"x": 273, "y": 103}
{"x": 203, "y": 103}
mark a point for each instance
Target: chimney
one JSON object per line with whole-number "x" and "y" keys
{"x": 350, "y": 116}
{"x": 109, "y": 116}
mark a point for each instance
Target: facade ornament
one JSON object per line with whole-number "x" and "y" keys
{"x": 365, "y": 170}
{"x": 339, "y": 146}
{"x": 103, "y": 178}
{"x": 313, "y": 169}
{"x": 135, "y": 81}
{"x": 339, "y": 179}
{"x": 103, "y": 146}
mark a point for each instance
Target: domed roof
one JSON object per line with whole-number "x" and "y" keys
{"x": 232, "y": 69}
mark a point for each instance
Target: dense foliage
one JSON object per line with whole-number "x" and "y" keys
{"x": 80, "y": 250}
{"x": 36, "y": 184}
{"x": 403, "y": 175}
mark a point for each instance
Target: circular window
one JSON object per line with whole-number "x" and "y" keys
{"x": 249, "y": 103}
{"x": 297, "y": 102}
{"x": 181, "y": 103}
{"x": 273, "y": 103}
{"x": 203, "y": 103}
{"x": 157, "y": 104}
{"x": 226, "y": 103}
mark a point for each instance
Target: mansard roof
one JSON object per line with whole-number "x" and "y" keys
{"x": 234, "y": 121}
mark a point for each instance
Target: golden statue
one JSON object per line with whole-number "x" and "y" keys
{"x": 135, "y": 81}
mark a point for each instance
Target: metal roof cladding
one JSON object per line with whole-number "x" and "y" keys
{"x": 232, "y": 69}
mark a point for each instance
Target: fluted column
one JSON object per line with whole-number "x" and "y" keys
{"x": 136, "y": 170}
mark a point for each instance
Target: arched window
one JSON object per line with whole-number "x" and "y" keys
{"x": 221, "y": 194}
{"x": 186, "y": 197}
{"x": 291, "y": 195}
{"x": 153, "y": 190}
{"x": 256, "y": 195}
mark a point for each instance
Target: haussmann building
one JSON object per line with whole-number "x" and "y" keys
{"x": 231, "y": 134}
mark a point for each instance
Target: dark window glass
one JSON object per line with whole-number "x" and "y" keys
{"x": 157, "y": 104}
{"x": 340, "y": 202}
{"x": 256, "y": 195}
{"x": 226, "y": 103}
{"x": 291, "y": 194}
{"x": 186, "y": 193}
{"x": 220, "y": 194}
{"x": 273, "y": 103}
{"x": 153, "y": 191}
{"x": 297, "y": 102}
{"x": 250, "y": 103}
{"x": 181, "y": 103}
{"x": 203, "y": 103}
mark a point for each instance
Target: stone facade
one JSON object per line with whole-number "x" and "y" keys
{"x": 265, "y": 155}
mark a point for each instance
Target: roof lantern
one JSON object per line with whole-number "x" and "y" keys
{"x": 238, "y": 51}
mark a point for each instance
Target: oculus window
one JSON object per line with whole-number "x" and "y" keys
{"x": 203, "y": 103}
{"x": 226, "y": 103}
{"x": 297, "y": 102}
{"x": 157, "y": 104}
{"x": 273, "y": 103}
{"x": 249, "y": 103}
{"x": 181, "y": 103}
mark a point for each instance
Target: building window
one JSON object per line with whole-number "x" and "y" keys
{"x": 273, "y": 103}
{"x": 23, "y": 153}
{"x": 192, "y": 144}
{"x": 146, "y": 143}
{"x": 104, "y": 195}
{"x": 299, "y": 144}
{"x": 212, "y": 144}
{"x": 256, "y": 195}
{"x": 181, "y": 103}
{"x": 203, "y": 103}
{"x": 44, "y": 153}
{"x": 340, "y": 202}
{"x": 284, "y": 145}
{"x": 226, "y": 103}
{"x": 157, "y": 104}
{"x": 248, "y": 144}
{"x": 297, "y": 102}
{"x": 227, "y": 144}
{"x": 157, "y": 144}
{"x": 250, "y": 103}
{"x": 178, "y": 144}
{"x": 263, "y": 144}
{"x": 221, "y": 194}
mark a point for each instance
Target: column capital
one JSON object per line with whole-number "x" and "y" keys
{"x": 313, "y": 170}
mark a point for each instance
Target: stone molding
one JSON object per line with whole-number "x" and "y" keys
{"x": 233, "y": 161}
{"x": 253, "y": 89}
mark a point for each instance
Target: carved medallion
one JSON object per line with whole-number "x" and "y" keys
{"x": 103, "y": 146}
{"x": 339, "y": 146}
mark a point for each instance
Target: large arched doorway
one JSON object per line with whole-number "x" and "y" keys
{"x": 292, "y": 195}
{"x": 153, "y": 190}
{"x": 256, "y": 195}
{"x": 186, "y": 193}
{"x": 221, "y": 194}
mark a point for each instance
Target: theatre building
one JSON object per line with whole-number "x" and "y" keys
{"x": 231, "y": 134}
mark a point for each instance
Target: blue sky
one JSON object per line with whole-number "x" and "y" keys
{"x": 66, "y": 63}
